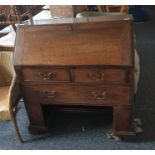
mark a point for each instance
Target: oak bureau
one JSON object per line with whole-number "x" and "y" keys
{"x": 86, "y": 61}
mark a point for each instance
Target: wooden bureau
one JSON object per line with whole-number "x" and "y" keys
{"x": 87, "y": 62}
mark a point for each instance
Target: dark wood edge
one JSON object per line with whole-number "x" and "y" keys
{"x": 6, "y": 48}
{"x": 74, "y": 66}
{"x": 2, "y": 34}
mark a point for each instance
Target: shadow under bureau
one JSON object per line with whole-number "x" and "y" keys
{"x": 86, "y": 62}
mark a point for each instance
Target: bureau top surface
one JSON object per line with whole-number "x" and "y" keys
{"x": 86, "y": 41}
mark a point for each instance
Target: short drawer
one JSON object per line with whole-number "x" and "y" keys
{"x": 100, "y": 75}
{"x": 73, "y": 94}
{"x": 45, "y": 74}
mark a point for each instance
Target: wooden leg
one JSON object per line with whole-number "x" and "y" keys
{"x": 123, "y": 122}
{"x": 37, "y": 122}
{"x": 13, "y": 118}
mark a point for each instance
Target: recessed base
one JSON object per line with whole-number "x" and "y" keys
{"x": 34, "y": 129}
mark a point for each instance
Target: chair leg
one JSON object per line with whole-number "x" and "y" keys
{"x": 16, "y": 128}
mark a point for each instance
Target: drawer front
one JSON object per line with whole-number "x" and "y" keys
{"x": 100, "y": 75}
{"x": 74, "y": 94}
{"x": 42, "y": 74}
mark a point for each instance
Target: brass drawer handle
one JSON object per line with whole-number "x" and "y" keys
{"x": 98, "y": 76}
{"x": 45, "y": 75}
{"x": 99, "y": 96}
{"x": 51, "y": 94}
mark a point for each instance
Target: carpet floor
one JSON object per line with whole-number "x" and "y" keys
{"x": 88, "y": 131}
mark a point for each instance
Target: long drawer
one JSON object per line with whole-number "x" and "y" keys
{"x": 72, "y": 94}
